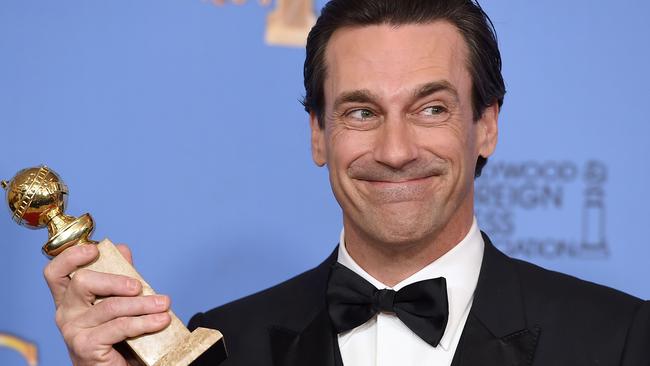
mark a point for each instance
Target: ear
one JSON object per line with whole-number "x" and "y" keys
{"x": 318, "y": 150}
{"x": 488, "y": 130}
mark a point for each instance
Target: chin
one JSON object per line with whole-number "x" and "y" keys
{"x": 403, "y": 230}
{"x": 400, "y": 239}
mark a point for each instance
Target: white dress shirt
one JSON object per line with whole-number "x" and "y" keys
{"x": 385, "y": 341}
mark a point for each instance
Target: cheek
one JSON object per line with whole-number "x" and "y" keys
{"x": 344, "y": 146}
{"x": 454, "y": 145}
{"x": 446, "y": 143}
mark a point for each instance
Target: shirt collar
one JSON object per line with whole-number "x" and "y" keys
{"x": 460, "y": 267}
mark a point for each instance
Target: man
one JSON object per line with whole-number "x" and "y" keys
{"x": 404, "y": 99}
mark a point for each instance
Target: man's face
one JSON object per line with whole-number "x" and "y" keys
{"x": 399, "y": 137}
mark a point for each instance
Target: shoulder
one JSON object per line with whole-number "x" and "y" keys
{"x": 568, "y": 309}
{"x": 285, "y": 303}
{"x": 545, "y": 291}
{"x": 248, "y": 322}
{"x": 583, "y": 318}
{"x": 577, "y": 319}
{"x": 555, "y": 289}
{"x": 264, "y": 305}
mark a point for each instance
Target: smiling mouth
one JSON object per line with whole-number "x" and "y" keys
{"x": 407, "y": 181}
{"x": 393, "y": 191}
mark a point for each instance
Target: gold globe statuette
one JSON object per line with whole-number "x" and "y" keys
{"x": 37, "y": 198}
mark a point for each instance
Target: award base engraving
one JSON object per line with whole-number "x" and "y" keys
{"x": 37, "y": 198}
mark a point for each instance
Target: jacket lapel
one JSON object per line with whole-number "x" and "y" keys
{"x": 308, "y": 337}
{"x": 496, "y": 332}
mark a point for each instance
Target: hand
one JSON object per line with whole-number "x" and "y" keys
{"x": 90, "y": 331}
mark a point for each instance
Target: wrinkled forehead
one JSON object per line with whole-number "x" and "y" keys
{"x": 390, "y": 60}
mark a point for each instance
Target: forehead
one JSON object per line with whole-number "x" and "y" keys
{"x": 389, "y": 60}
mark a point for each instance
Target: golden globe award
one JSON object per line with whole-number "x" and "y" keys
{"x": 37, "y": 199}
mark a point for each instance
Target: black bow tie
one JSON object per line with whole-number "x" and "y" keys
{"x": 422, "y": 306}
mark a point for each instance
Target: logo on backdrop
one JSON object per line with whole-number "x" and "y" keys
{"x": 288, "y": 24}
{"x": 565, "y": 200}
{"x": 27, "y": 349}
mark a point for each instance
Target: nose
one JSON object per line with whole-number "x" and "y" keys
{"x": 396, "y": 144}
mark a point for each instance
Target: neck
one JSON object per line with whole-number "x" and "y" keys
{"x": 391, "y": 263}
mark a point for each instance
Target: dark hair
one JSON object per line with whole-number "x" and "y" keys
{"x": 484, "y": 63}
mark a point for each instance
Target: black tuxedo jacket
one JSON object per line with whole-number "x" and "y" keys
{"x": 521, "y": 315}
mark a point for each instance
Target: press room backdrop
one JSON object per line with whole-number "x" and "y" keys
{"x": 177, "y": 125}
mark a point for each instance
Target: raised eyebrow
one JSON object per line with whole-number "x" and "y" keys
{"x": 433, "y": 87}
{"x": 355, "y": 96}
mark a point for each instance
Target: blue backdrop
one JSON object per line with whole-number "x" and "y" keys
{"x": 178, "y": 127}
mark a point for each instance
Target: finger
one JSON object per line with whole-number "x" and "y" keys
{"x": 126, "y": 252}
{"x": 86, "y": 285}
{"x": 57, "y": 272}
{"x": 120, "y": 329}
{"x": 117, "y": 307}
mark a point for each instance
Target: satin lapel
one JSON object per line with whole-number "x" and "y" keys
{"x": 479, "y": 347}
{"x": 307, "y": 337}
{"x": 496, "y": 332}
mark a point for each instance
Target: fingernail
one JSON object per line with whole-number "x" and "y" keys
{"x": 160, "y": 318}
{"x": 160, "y": 300}
{"x": 86, "y": 248}
{"x": 132, "y": 284}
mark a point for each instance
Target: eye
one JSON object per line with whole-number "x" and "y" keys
{"x": 432, "y": 115}
{"x": 434, "y": 110}
{"x": 361, "y": 114}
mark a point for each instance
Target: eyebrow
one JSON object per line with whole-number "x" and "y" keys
{"x": 424, "y": 90}
{"x": 355, "y": 96}
{"x": 433, "y": 87}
